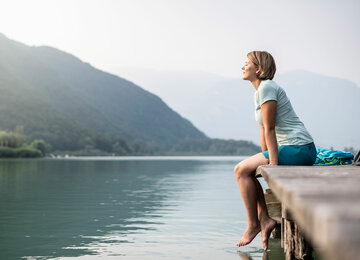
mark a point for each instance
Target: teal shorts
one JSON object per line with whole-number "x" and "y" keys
{"x": 295, "y": 154}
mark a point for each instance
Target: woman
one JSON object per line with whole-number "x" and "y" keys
{"x": 283, "y": 137}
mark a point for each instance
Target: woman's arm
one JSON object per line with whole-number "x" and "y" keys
{"x": 268, "y": 110}
{"x": 262, "y": 139}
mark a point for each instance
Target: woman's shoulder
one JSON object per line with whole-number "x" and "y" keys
{"x": 268, "y": 85}
{"x": 267, "y": 90}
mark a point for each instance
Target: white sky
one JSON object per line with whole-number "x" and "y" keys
{"x": 206, "y": 35}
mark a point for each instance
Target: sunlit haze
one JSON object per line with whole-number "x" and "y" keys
{"x": 211, "y": 36}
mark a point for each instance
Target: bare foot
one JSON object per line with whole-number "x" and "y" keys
{"x": 249, "y": 235}
{"x": 266, "y": 228}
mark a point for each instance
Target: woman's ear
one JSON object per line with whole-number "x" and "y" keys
{"x": 258, "y": 71}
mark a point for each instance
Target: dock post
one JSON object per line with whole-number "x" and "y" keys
{"x": 292, "y": 239}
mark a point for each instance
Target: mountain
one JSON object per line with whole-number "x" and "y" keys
{"x": 223, "y": 107}
{"x": 72, "y": 105}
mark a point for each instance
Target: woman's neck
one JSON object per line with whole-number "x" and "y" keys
{"x": 256, "y": 83}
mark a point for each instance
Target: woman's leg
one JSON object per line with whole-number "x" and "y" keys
{"x": 261, "y": 205}
{"x": 267, "y": 224}
{"x": 253, "y": 198}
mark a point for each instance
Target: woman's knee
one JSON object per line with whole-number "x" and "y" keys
{"x": 240, "y": 171}
{"x": 248, "y": 167}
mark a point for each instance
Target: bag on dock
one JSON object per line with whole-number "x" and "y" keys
{"x": 326, "y": 157}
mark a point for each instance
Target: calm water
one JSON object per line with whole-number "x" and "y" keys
{"x": 108, "y": 208}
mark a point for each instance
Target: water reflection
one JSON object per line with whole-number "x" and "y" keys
{"x": 54, "y": 208}
{"x": 246, "y": 256}
{"x": 138, "y": 209}
{"x": 274, "y": 252}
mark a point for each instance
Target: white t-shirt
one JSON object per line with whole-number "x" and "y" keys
{"x": 288, "y": 127}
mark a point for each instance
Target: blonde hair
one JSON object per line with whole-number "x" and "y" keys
{"x": 265, "y": 61}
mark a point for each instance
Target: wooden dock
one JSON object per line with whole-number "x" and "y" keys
{"x": 320, "y": 207}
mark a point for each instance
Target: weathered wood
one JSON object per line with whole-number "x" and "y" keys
{"x": 324, "y": 202}
{"x": 282, "y": 242}
{"x": 295, "y": 244}
{"x": 274, "y": 210}
{"x": 273, "y": 206}
{"x": 270, "y": 197}
{"x": 288, "y": 240}
{"x": 303, "y": 249}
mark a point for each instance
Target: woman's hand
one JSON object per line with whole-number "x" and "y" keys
{"x": 273, "y": 164}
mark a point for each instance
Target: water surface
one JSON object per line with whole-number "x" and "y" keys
{"x": 127, "y": 208}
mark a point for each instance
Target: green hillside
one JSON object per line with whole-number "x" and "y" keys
{"x": 130, "y": 108}
{"x": 69, "y": 103}
{"x": 77, "y": 108}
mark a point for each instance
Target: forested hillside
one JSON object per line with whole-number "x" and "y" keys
{"x": 73, "y": 106}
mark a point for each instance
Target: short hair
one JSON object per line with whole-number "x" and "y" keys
{"x": 266, "y": 63}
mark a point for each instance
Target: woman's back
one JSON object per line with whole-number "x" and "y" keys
{"x": 289, "y": 129}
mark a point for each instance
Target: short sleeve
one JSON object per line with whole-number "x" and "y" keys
{"x": 267, "y": 92}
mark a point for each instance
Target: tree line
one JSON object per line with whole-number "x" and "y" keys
{"x": 13, "y": 145}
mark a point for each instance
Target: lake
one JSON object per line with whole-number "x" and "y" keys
{"x": 124, "y": 208}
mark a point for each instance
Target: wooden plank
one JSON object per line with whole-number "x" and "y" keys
{"x": 274, "y": 210}
{"x": 270, "y": 197}
{"x": 273, "y": 206}
{"x": 324, "y": 201}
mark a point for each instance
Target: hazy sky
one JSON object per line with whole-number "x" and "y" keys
{"x": 206, "y": 35}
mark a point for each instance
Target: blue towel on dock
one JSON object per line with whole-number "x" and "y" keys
{"x": 331, "y": 157}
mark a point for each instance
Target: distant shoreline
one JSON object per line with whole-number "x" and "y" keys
{"x": 155, "y": 157}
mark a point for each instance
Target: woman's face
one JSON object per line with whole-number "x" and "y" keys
{"x": 249, "y": 70}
